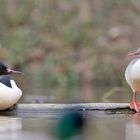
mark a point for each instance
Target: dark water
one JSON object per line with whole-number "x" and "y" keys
{"x": 99, "y": 126}
{"x": 76, "y": 94}
{"x": 35, "y": 91}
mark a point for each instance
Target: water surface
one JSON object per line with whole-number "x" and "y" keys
{"x": 99, "y": 126}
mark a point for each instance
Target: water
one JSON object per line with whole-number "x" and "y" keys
{"x": 76, "y": 94}
{"x": 34, "y": 92}
{"x": 99, "y": 126}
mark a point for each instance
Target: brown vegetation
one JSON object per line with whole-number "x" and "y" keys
{"x": 68, "y": 43}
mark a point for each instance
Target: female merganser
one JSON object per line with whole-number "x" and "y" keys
{"x": 9, "y": 92}
{"x": 132, "y": 76}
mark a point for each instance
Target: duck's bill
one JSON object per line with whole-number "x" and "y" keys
{"x": 10, "y": 71}
{"x": 134, "y": 53}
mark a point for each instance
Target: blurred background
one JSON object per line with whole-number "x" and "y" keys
{"x": 69, "y": 50}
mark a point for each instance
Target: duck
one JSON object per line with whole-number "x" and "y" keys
{"x": 132, "y": 76}
{"x": 10, "y": 93}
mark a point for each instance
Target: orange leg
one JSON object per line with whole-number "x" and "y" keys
{"x": 134, "y": 104}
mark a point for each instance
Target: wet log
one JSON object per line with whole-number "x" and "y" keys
{"x": 32, "y": 110}
{"x": 82, "y": 106}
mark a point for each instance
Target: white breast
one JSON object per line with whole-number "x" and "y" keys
{"x": 9, "y": 96}
{"x": 132, "y": 74}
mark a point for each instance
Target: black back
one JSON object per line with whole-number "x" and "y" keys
{"x": 3, "y": 69}
{"x": 6, "y": 80}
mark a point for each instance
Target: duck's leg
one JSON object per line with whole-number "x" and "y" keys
{"x": 131, "y": 104}
{"x": 134, "y": 104}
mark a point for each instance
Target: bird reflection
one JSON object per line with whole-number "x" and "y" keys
{"x": 10, "y": 127}
{"x": 133, "y": 128}
{"x": 70, "y": 126}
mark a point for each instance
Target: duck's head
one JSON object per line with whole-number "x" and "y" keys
{"x": 135, "y": 53}
{"x": 4, "y": 70}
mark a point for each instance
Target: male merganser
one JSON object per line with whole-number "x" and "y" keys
{"x": 9, "y": 92}
{"x": 132, "y": 76}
